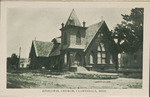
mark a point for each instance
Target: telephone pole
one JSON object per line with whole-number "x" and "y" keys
{"x": 19, "y": 57}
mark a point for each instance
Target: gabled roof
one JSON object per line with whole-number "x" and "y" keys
{"x": 57, "y": 40}
{"x": 56, "y": 52}
{"x": 73, "y": 19}
{"x": 42, "y": 49}
{"x": 91, "y": 32}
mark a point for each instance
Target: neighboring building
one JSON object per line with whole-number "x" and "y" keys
{"x": 24, "y": 63}
{"x": 131, "y": 60}
{"x": 78, "y": 46}
{"x": 39, "y": 54}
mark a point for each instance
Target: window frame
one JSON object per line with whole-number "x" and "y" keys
{"x": 92, "y": 58}
{"x": 78, "y": 38}
{"x": 101, "y": 52}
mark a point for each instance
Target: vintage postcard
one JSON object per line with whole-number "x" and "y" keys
{"x": 86, "y": 49}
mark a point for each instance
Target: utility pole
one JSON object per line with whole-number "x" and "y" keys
{"x": 19, "y": 57}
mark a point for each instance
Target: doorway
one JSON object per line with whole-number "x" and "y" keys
{"x": 78, "y": 59}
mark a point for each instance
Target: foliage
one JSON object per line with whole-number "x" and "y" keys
{"x": 92, "y": 76}
{"x": 13, "y": 62}
{"x": 13, "y": 59}
{"x": 130, "y": 32}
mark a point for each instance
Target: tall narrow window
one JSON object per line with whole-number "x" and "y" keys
{"x": 65, "y": 58}
{"x": 91, "y": 58}
{"x": 99, "y": 58}
{"x": 78, "y": 38}
{"x": 65, "y": 38}
{"x": 101, "y": 54}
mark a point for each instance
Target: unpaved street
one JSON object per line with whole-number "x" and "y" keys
{"x": 39, "y": 80}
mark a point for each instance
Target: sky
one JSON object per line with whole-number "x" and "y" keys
{"x": 43, "y": 24}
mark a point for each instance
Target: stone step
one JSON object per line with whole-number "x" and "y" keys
{"x": 81, "y": 69}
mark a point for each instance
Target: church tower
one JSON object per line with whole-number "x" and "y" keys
{"x": 72, "y": 39}
{"x": 72, "y": 32}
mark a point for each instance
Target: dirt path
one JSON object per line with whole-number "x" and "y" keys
{"x": 38, "y": 80}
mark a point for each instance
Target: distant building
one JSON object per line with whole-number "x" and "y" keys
{"x": 78, "y": 46}
{"x": 24, "y": 63}
{"x": 39, "y": 54}
{"x": 131, "y": 60}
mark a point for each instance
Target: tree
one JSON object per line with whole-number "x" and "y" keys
{"x": 14, "y": 61}
{"x": 129, "y": 34}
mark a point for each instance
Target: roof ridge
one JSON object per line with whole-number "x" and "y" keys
{"x": 96, "y": 23}
{"x": 42, "y": 48}
{"x": 42, "y": 41}
{"x": 100, "y": 24}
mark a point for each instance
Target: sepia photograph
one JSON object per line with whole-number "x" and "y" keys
{"x": 76, "y": 48}
{"x": 87, "y": 49}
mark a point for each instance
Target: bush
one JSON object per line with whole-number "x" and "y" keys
{"x": 92, "y": 76}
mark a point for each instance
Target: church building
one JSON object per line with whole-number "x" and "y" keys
{"x": 78, "y": 47}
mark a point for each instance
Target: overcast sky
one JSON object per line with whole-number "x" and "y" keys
{"x": 24, "y": 24}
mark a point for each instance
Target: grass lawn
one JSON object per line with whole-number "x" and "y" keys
{"x": 67, "y": 80}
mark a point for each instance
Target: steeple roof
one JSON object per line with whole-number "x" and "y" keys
{"x": 73, "y": 19}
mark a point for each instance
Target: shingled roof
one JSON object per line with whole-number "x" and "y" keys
{"x": 73, "y": 19}
{"x": 42, "y": 49}
{"x": 91, "y": 32}
{"x": 56, "y": 52}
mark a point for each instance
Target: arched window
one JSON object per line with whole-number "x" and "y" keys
{"x": 91, "y": 58}
{"x": 99, "y": 48}
{"x": 78, "y": 38}
{"x": 101, "y": 54}
{"x": 65, "y": 58}
{"x": 65, "y": 38}
{"x": 102, "y": 46}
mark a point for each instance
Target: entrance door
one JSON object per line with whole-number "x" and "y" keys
{"x": 78, "y": 60}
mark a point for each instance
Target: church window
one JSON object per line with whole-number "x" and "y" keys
{"x": 91, "y": 58}
{"x": 102, "y": 46}
{"x": 98, "y": 49}
{"x": 78, "y": 38}
{"x": 101, "y": 54}
{"x": 65, "y": 59}
{"x": 98, "y": 58}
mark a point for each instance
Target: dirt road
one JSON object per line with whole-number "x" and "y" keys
{"x": 39, "y": 80}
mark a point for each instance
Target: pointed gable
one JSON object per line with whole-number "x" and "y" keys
{"x": 91, "y": 32}
{"x": 56, "y": 40}
{"x": 73, "y": 19}
{"x": 42, "y": 49}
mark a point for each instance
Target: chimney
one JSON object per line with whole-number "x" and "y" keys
{"x": 62, "y": 25}
{"x": 84, "y": 23}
